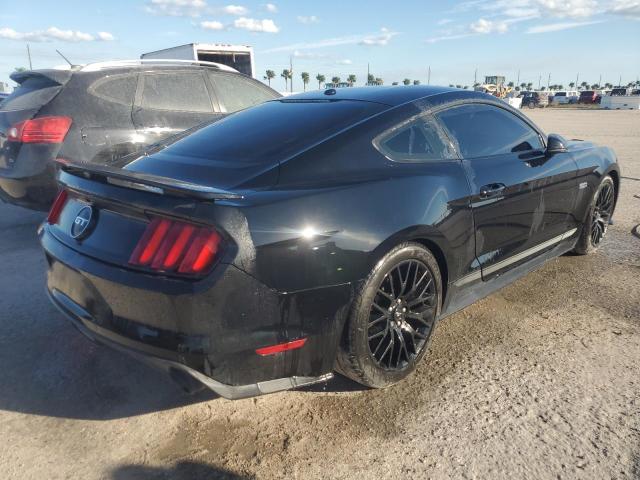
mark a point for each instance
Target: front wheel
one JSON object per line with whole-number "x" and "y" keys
{"x": 392, "y": 318}
{"x": 598, "y": 218}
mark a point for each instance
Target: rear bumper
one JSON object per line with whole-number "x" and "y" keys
{"x": 209, "y": 330}
{"x": 35, "y": 192}
{"x": 83, "y": 321}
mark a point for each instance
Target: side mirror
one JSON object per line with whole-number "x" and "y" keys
{"x": 555, "y": 144}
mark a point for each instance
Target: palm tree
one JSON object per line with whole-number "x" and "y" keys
{"x": 286, "y": 74}
{"x": 305, "y": 79}
{"x": 335, "y": 80}
{"x": 529, "y": 85}
{"x": 269, "y": 74}
{"x": 371, "y": 79}
{"x": 510, "y": 84}
{"x": 416, "y": 82}
{"x": 572, "y": 84}
{"x": 523, "y": 86}
{"x": 351, "y": 79}
{"x": 406, "y": 81}
{"x": 321, "y": 79}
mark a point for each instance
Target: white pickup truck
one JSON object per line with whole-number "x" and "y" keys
{"x": 565, "y": 97}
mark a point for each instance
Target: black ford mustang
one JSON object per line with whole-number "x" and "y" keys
{"x": 325, "y": 231}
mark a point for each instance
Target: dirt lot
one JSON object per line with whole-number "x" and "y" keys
{"x": 537, "y": 381}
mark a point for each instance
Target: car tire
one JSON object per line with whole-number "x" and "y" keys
{"x": 598, "y": 216}
{"x": 410, "y": 309}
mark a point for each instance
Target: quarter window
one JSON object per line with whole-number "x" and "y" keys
{"x": 417, "y": 140}
{"x": 238, "y": 93}
{"x": 486, "y": 130}
{"x": 117, "y": 89}
{"x": 183, "y": 91}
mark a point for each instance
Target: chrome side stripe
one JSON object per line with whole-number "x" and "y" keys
{"x": 527, "y": 253}
{"x": 477, "y": 275}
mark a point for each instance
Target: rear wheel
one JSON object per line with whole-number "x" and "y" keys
{"x": 599, "y": 216}
{"x": 393, "y": 318}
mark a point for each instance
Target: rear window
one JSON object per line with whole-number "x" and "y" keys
{"x": 270, "y": 132}
{"x": 34, "y": 92}
{"x": 237, "y": 93}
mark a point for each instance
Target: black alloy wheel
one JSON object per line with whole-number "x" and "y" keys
{"x": 601, "y": 213}
{"x": 392, "y": 318}
{"x": 402, "y": 315}
{"x": 598, "y": 217}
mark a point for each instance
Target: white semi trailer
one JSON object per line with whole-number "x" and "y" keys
{"x": 239, "y": 57}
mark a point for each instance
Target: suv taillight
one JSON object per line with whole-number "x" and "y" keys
{"x": 40, "y": 130}
{"x": 172, "y": 246}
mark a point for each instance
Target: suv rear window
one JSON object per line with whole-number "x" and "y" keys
{"x": 270, "y": 132}
{"x": 237, "y": 93}
{"x": 179, "y": 91}
{"x": 32, "y": 93}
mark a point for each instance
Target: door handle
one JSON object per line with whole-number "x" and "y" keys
{"x": 492, "y": 190}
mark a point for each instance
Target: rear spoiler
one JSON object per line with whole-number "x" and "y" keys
{"x": 145, "y": 181}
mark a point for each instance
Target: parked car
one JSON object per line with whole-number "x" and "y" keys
{"x": 535, "y": 99}
{"x": 103, "y": 111}
{"x": 588, "y": 96}
{"x": 620, "y": 91}
{"x": 565, "y": 97}
{"x": 338, "y": 231}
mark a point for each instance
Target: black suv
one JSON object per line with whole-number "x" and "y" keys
{"x": 101, "y": 112}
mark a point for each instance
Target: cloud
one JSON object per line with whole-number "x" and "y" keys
{"x": 270, "y": 7}
{"x": 483, "y": 26}
{"x": 309, "y": 55}
{"x": 212, "y": 25}
{"x": 568, "y": 8}
{"x": 626, "y": 8}
{"x": 443, "y": 38}
{"x": 254, "y": 25}
{"x": 235, "y": 10}
{"x": 105, "y": 36}
{"x": 444, "y": 21}
{"x": 176, "y": 8}
{"x": 344, "y": 61}
{"x": 556, "y": 27}
{"x": 379, "y": 40}
{"x": 54, "y": 34}
{"x": 328, "y": 42}
{"x": 308, "y": 20}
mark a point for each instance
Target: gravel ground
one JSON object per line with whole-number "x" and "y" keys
{"x": 539, "y": 380}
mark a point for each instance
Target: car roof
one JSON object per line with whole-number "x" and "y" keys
{"x": 391, "y": 96}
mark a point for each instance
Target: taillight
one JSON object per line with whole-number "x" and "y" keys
{"x": 56, "y": 208}
{"x": 172, "y": 246}
{"x": 40, "y": 130}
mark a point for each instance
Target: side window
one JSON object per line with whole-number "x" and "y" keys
{"x": 180, "y": 91}
{"x": 237, "y": 93}
{"x": 485, "y": 130}
{"x": 119, "y": 89}
{"x": 413, "y": 141}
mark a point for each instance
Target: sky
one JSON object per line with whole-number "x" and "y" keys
{"x": 588, "y": 39}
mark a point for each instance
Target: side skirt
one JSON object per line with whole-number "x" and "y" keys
{"x": 463, "y": 295}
